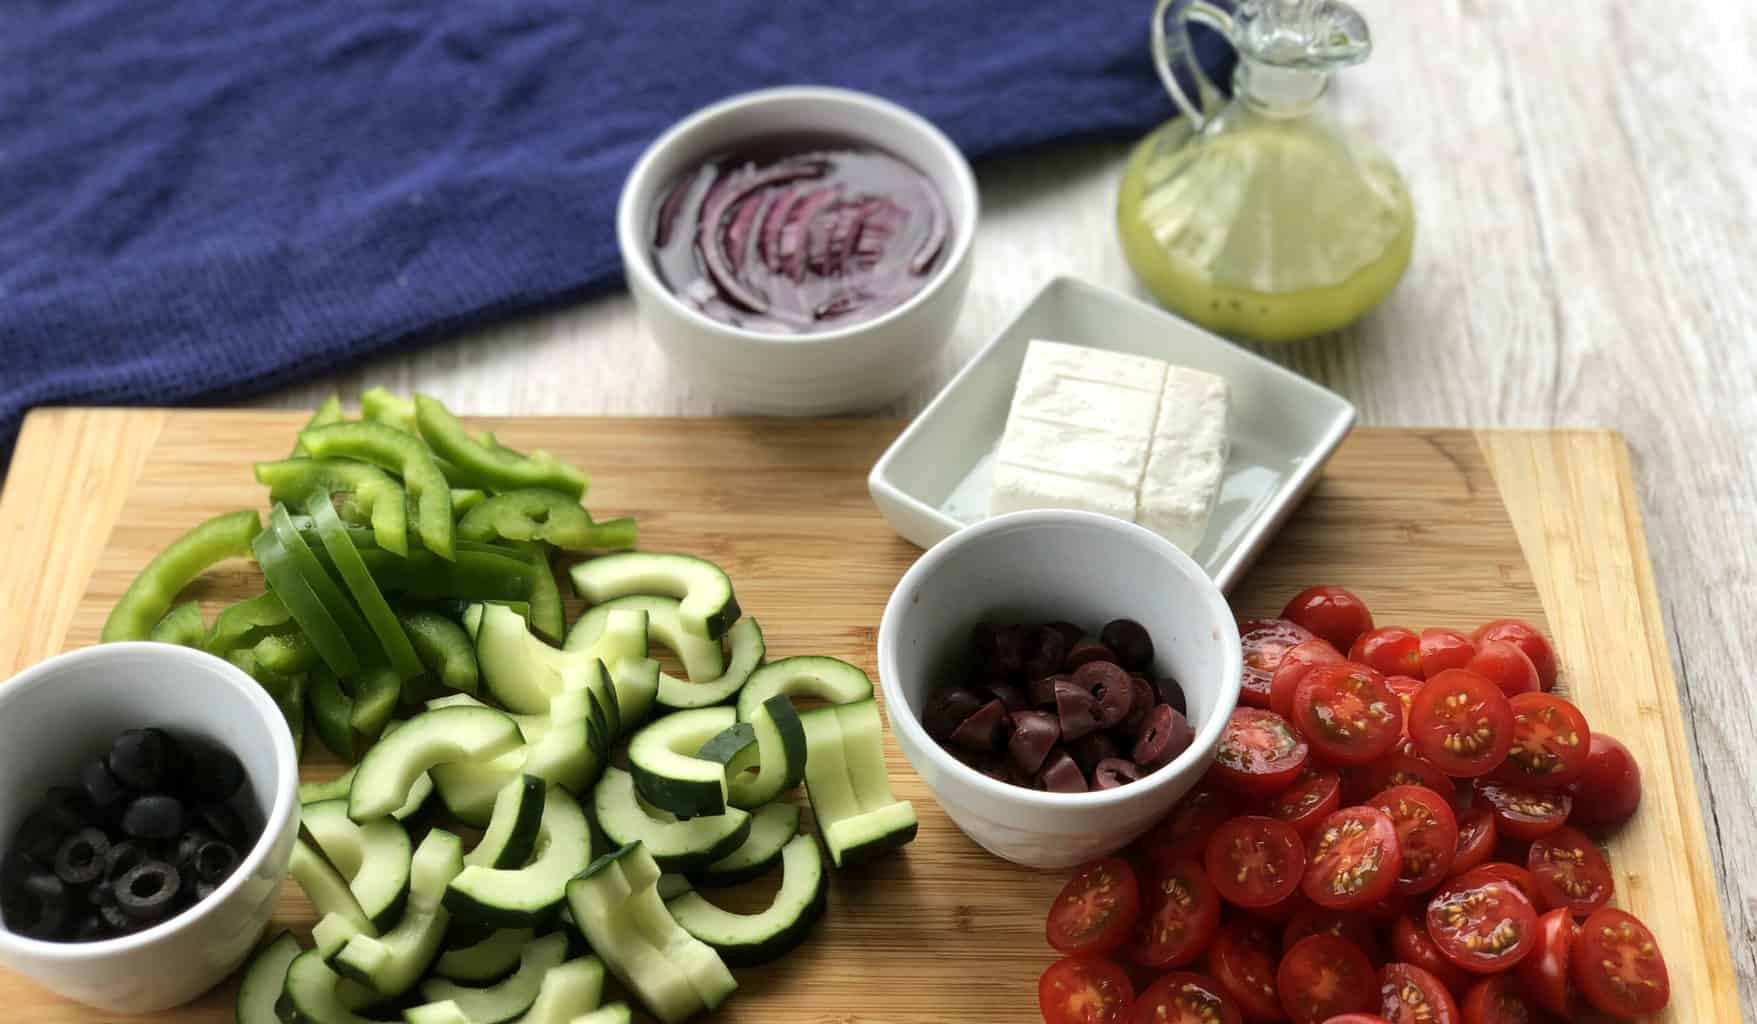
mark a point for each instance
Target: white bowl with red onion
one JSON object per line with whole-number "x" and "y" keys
{"x": 1040, "y": 804}
{"x": 800, "y": 250}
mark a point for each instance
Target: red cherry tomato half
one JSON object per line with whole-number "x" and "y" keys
{"x": 1332, "y": 613}
{"x": 1255, "y": 861}
{"x": 1481, "y": 922}
{"x": 1410, "y": 995}
{"x": 1259, "y": 753}
{"x": 1265, "y": 643}
{"x": 1178, "y": 919}
{"x": 1357, "y": 1018}
{"x": 1355, "y": 926}
{"x": 1476, "y": 839}
{"x": 1427, "y": 833}
{"x": 1527, "y": 638}
{"x": 1281, "y": 913}
{"x": 1347, "y": 713}
{"x": 1398, "y": 769}
{"x": 1522, "y": 813}
{"x": 1442, "y": 649}
{"x": 1499, "y": 999}
{"x": 1183, "y": 997}
{"x": 1510, "y": 872}
{"x": 1322, "y": 976}
{"x": 1183, "y": 835}
{"x": 1095, "y": 912}
{"x": 1298, "y": 660}
{"x": 1544, "y": 970}
{"x": 1618, "y": 967}
{"x": 1391, "y": 650}
{"x": 1307, "y": 802}
{"x": 1410, "y": 944}
{"x": 1506, "y": 666}
{"x": 1462, "y": 723}
{"x": 1078, "y": 990}
{"x": 1551, "y": 742}
{"x": 1570, "y": 872}
{"x": 1609, "y": 787}
{"x": 1243, "y": 960}
{"x": 1352, "y": 859}
{"x": 1405, "y": 687}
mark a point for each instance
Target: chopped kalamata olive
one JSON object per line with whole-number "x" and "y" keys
{"x": 1071, "y": 633}
{"x": 154, "y": 816}
{"x": 1061, "y": 775}
{"x": 1093, "y": 749}
{"x": 1131, "y": 642}
{"x": 1034, "y": 734}
{"x": 1011, "y": 696}
{"x": 1077, "y": 709}
{"x": 982, "y": 730}
{"x": 1171, "y": 693}
{"x": 1045, "y": 653}
{"x": 1085, "y": 652}
{"x": 80, "y": 858}
{"x": 138, "y": 757}
{"x": 1145, "y": 698}
{"x": 1009, "y": 650}
{"x": 1113, "y": 772}
{"x": 1164, "y": 735}
{"x": 948, "y": 710}
{"x": 1111, "y": 686}
{"x": 1041, "y": 692}
{"x": 102, "y": 788}
{"x": 146, "y": 891}
{"x": 983, "y": 638}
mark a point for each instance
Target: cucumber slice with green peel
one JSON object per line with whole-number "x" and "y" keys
{"x": 512, "y": 827}
{"x": 672, "y": 885}
{"x": 264, "y": 978}
{"x": 830, "y": 680}
{"x": 700, "y": 965}
{"x": 863, "y": 746}
{"x": 332, "y": 932}
{"x": 704, "y": 663}
{"x": 845, "y": 778}
{"x": 674, "y": 845}
{"x": 663, "y": 759}
{"x": 468, "y": 789}
{"x": 329, "y": 789}
{"x": 637, "y": 690}
{"x": 780, "y": 757}
{"x": 531, "y": 893}
{"x": 446, "y": 1012}
{"x": 734, "y": 744}
{"x": 518, "y": 669}
{"x": 315, "y": 994}
{"x": 511, "y": 997}
{"x": 600, "y": 903}
{"x": 603, "y": 705}
{"x": 620, "y": 631}
{"x": 391, "y": 964}
{"x": 325, "y": 887}
{"x": 572, "y": 755}
{"x": 486, "y": 961}
{"x": 575, "y": 987}
{"x": 708, "y": 607}
{"x": 746, "y": 639}
{"x": 771, "y": 827}
{"x": 389, "y": 770}
{"x": 744, "y": 940}
{"x": 374, "y": 856}
{"x": 531, "y": 727}
{"x": 609, "y": 1013}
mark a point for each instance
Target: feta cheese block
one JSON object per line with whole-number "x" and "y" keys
{"x": 1187, "y": 458}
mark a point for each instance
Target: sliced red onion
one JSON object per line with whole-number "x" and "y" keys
{"x": 930, "y": 247}
{"x": 793, "y": 232}
{"x": 711, "y": 238}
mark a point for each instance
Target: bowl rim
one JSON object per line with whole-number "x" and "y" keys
{"x": 1201, "y": 747}
{"x": 629, "y": 231}
{"x": 286, "y": 767}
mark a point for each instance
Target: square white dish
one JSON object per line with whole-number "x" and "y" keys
{"x": 1283, "y": 428}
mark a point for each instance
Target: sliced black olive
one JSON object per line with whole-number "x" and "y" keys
{"x": 1034, "y": 733}
{"x": 1171, "y": 693}
{"x": 123, "y": 856}
{"x": 137, "y": 757}
{"x": 90, "y": 928}
{"x": 101, "y": 894}
{"x": 1111, "y": 686}
{"x": 1164, "y": 735}
{"x": 982, "y": 731}
{"x": 1113, "y": 772}
{"x": 117, "y": 919}
{"x": 1131, "y": 642}
{"x": 39, "y": 837}
{"x": 189, "y": 844}
{"x": 1041, "y": 692}
{"x": 1145, "y": 698}
{"x": 215, "y": 861}
{"x": 145, "y": 892}
{"x": 66, "y": 809}
{"x": 154, "y": 816}
{"x": 1093, "y": 749}
{"x": 1077, "y": 709}
{"x": 1071, "y": 634}
{"x": 1061, "y": 775}
{"x": 210, "y": 774}
{"x": 1012, "y": 697}
{"x": 80, "y": 858}
{"x": 225, "y": 822}
{"x": 948, "y": 709}
{"x": 1045, "y": 651}
{"x": 203, "y": 890}
{"x": 103, "y": 789}
{"x": 42, "y": 906}
{"x": 1085, "y": 652}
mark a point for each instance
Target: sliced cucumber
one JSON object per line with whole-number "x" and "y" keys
{"x": 528, "y": 895}
{"x": 637, "y": 690}
{"x": 374, "y": 857}
{"x": 337, "y": 789}
{"x": 485, "y": 961}
{"x": 746, "y": 640}
{"x": 674, "y": 845}
{"x": 771, "y": 828}
{"x": 702, "y": 658}
{"x": 830, "y": 680}
{"x": 571, "y": 754}
{"x": 708, "y": 607}
{"x": 509, "y": 998}
{"x": 531, "y": 727}
{"x": 264, "y": 979}
{"x": 780, "y": 762}
{"x": 332, "y": 932}
{"x": 671, "y": 885}
{"x": 701, "y": 966}
{"x": 609, "y": 1013}
{"x": 845, "y": 778}
{"x": 447, "y": 1012}
{"x": 315, "y": 994}
{"x": 599, "y": 902}
{"x": 524, "y": 673}
{"x": 394, "y": 962}
{"x": 388, "y": 771}
{"x": 325, "y": 887}
{"x": 744, "y": 940}
{"x": 468, "y": 789}
{"x": 662, "y": 758}
{"x": 574, "y": 988}
{"x": 512, "y": 828}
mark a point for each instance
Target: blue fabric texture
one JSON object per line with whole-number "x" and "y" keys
{"x": 207, "y": 198}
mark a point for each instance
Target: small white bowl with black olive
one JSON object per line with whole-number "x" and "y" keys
{"x": 147, "y": 819}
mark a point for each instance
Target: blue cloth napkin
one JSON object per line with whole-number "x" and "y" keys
{"x": 207, "y": 198}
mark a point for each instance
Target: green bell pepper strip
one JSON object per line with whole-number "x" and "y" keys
{"x": 182, "y": 625}
{"x": 473, "y": 576}
{"x": 392, "y": 449}
{"x": 329, "y": 412}
{"x": 288, "y": 693}
{"x": 149, "y": 597}
{"x": 375, "y": 699}
{"x": 547, "y": 616}
{"x": 346, "y": 559}
{"x": 359, "y": 635}
{"x": 445, "y": 649}
{"x": 286, "y": 654}
{"x": 463, "y": 499}
{"x": 240, "y": 625}
{"x": 491, "y": 468}
{"x": 289, "y": 584}
{"x": 540, "y": 514}
{"x": 389, "y": 408}
{"x": 375, "y": 492}
{"x": 332, "y": 711}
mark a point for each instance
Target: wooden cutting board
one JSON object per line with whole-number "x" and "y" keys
{"x": 1432, "y": 527}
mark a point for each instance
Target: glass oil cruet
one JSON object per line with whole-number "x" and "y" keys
{"x": 1257, "y": 216}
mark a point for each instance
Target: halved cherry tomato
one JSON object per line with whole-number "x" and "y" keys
{"x": 1307, "y": 802}
{"x": 1405, "y": 687}
{"x": 1481, "y": 922}
{"x": 1411, "y": 945}
{"x": 1609, "y": 787}
{"x": 1255, "y": 861}
{"x": 1506, "y": 666}
{"x": 1330, "y": 612}
{"x": 1259, "y": 753}
{"x": 1083, "y": 990}
{"x": 1411, "y": 995}
{"x": 1551, "y": 742}
{"x": 1183, "y": 835}
{"x": 1527, "y": 638}
{"x": 1476, "y": 839}
{"x": 1347, "y": 713}
{"x": 1397, "y": 769}
{"x": 1354, "y": 926}
{"x": 1352, "y": 859}
{"x": 1507, "y": 871}
{"x": 1462, "y": 723}
{"x": 1618, "y": 967}
{"x": 1178, "y": 919}
{"x": 1298, "y": 660}
{"x": 1265, "y": 642}
{"x": 1544, "y": 970}
{"x": 1427, "y": 833}
{"x": 1499, "y": 999}
{"x": 1571, "y": 873}
{"x": 1322, "y": 976}
{"x": 1357, "y": 1018}
{"x": 1281, "y": 913}
{"x": 1522, "y": 813}
{"x": 1243, "y": 960}
{"x": 1392, "y": 650}
{"x": 1183, "y": 997}
{"x": 1095, "y": 912}
{"x": 1442, "y": 649}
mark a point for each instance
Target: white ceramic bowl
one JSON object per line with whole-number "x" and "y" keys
{"x": 55, "y": 716}
{"x": 1041, "y": 566}
{"x": 861, "y": 366}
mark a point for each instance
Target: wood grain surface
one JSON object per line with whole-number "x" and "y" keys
{"x": 1420, "y": 523}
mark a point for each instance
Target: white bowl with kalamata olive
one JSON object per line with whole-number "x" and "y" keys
{"x": 985, "y": 680}
{"x": 146, "y": 822}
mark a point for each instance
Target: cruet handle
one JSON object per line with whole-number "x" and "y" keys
{"x": 1174, "y": 51}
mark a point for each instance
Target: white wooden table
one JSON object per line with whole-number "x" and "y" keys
{"x": 1586, "y": 191}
